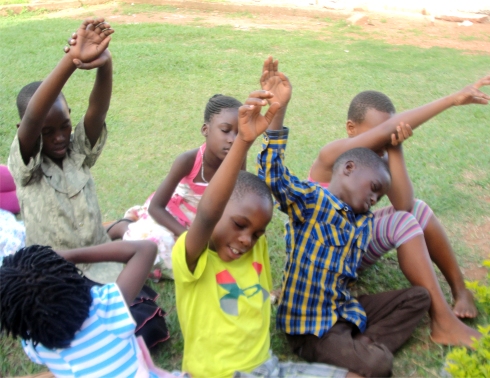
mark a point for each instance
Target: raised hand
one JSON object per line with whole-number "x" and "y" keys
{"x": 472, "y": 94}
{"x": 403, "y": 132}
{"x": 276, "y": 82}
{"x": 89, "y": 42}
{"x": 251, "y": 123}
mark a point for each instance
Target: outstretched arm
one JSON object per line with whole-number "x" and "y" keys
{"x": 250, "y": 125}
{"x": 276, "y": 82}
{"x": 138, "y": 256}
{"x": 90, "y": 46}
{"x": 379, "y": 136}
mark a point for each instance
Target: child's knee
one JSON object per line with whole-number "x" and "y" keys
{"x": 405, "y": 227}
{"x": 422, "y": 212}
{"x": 360, "y": 355}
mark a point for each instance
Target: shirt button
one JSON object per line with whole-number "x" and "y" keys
{"x": 266, "y": 138}
{"x": 346, "y": 208}
{"x": 80, "y": 224}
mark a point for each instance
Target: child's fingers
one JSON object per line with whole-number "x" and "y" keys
{"x": 481, "y": 95}
{"x": 103, "y": 26}
{"x": 483, "y": 81}
{"x": 261, "y": 94}
{"x": 283, "y": 77}
{"x": 107, "y": 32}
{"x": 271, "y": 66}
{"x": 271, "y": 112}
{"x": 255, "y": 101}
{"x": 244, "y": 111}
{"x": 266, "y": 67}
{"x": 85, "y": 66}
{"x": 105, "y": 42}
{"x": 407, "y": 131}
{"x": 263, "y": 78}
{"x": 275, "y": 65}
{"x": 394, "y": 140}
{"x": 100, "y": 61}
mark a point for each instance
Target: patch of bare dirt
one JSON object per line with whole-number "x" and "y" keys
{"x": 395, "y": 29}
{"x": 478, "y": 239}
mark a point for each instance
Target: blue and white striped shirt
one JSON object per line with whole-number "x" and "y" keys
{"x": 325, "y": 242}
{"x": 105, "y": 346}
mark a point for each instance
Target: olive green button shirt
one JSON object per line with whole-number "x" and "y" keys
{"x": 59, "y": 205}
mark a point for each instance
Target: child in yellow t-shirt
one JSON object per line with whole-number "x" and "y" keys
{"x": 221, "y": 267}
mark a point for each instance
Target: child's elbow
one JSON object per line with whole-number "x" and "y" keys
{"x": 151, "y": 248}
{"x": 153, "y": 209}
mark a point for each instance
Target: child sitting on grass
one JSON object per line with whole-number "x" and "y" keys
{"x": 221, "y": 267}
{"x": 50, "y": 166}
{"x": 66, "y": 322}
{"x": 408, "y": 224}
{"x": 326, "y": 236}
{"x": 413, "y": 255}
{"x": 169, "y": 211}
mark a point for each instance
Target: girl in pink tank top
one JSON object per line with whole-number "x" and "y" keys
{"x": 169, "y": 211}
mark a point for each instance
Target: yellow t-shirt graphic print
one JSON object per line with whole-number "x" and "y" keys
{"x": 224, "y": 311}
{"x": 229, "y": 302}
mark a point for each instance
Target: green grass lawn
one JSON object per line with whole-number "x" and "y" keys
{"x": 163, "y": 77}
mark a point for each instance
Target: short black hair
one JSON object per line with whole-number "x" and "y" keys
{"x": 249, "y": 183}
{"x": 362, "y": 157}
{"x": 217, "y": 103}
{"x": 43, "y": 297}
{"x": 26, "y": 94}
{"x": 366, "y": 100}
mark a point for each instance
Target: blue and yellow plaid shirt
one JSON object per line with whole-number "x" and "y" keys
{"x": 325, "y": 242}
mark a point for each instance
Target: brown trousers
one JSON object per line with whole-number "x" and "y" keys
{"x": 391, "y": 318}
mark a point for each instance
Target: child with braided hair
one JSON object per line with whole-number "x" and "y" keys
{"x": 70, "y": 324}
{"x": 169, "y": 211}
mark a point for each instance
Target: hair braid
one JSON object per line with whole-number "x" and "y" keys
{"x": 217, "y": 103}
{"x": 43, "y": 297}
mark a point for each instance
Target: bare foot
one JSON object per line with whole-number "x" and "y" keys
{"x": 464, "y": 305}
{"x": 453, "y": 332}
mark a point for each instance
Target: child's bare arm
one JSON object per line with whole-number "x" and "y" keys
{"x": 379, "y": 136}
{"x": 181, "y": 167}
{"x": 100, "y": 96}
{"x": 99, "y": 100}
{"x": 276, "y": 82}
{"x": 251, "y": 124}
{"x": 43, "y": 99}
{"x": 401, "y": 191}
{"x": 138, "y": 256}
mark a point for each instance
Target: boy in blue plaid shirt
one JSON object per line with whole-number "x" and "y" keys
{"x": 327, "y": 234}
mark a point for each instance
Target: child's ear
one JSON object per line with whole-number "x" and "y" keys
{"x": 18, "y": 125}
{"x": 351, "y": 128}
{"x": 205, "y": 130}
{"x": 69, "y": 110}
{"x": 349, "y": 167}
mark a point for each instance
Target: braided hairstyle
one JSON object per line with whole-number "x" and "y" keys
{"x": 43, "y": 297}
{"x": 366, "y": 100}
{"x": 25, "y": 95}
{"x": 217, "y": 103}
